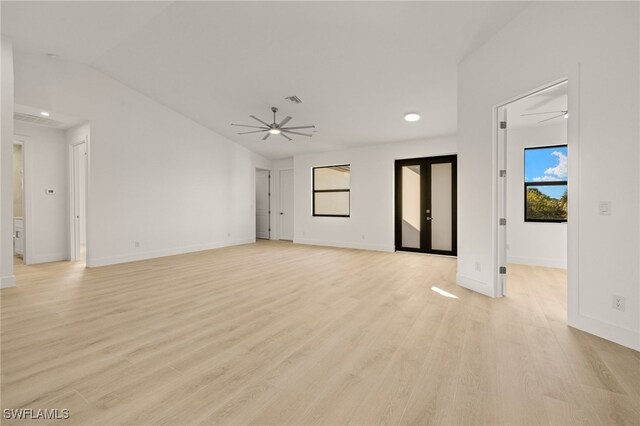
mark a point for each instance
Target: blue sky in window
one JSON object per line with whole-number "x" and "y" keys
{"x": 546, "y": 165}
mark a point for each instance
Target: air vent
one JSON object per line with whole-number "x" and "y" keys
{"x": 34, "y": 119}
{"x": 294, "y": 99}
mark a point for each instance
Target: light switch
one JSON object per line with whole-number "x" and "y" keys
{"x": 604, "y": 208}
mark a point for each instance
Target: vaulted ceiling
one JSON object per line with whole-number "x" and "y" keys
{"x": 356, "y": 66}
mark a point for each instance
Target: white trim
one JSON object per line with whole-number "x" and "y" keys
{"x": 8, "y": 281}
{"x": 612, "y": 332}
{"x": 132, "y": 257}
{"x": 46, "y": 258}
{"x": 538, "y": 261}
{"x": 475, "y": 285}
{"x": 342, "y": 244}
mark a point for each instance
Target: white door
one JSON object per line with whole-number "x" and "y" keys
{"x": 286, "y": 205}
{"x": 79, "y": 206}
{"x": 262, "y": 204}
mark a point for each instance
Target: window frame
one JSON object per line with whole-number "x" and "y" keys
{"x": 314, "y": 191}
{"x": 527, "y": 185}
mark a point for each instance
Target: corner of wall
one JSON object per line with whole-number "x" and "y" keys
{"x": 8, "y": 281}
{"x": 6, "y": 163}
{"x": 478, "y": 286}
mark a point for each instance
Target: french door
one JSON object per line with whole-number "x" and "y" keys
{"x": 426, "y": 205}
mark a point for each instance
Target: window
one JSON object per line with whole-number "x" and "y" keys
{"x": 331, "y": 191}
{"x": 545, "y": 184}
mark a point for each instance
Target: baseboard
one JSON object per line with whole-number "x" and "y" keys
{"x": 474, "y": 285}
{"x": 537, "y": 261}
{"x": 133, "y": 257}
{"x": 351, "y": 245}
{"x": 8, "y": 281}
{"x": 608, "y": 331}
{"x": 46, "y": 258}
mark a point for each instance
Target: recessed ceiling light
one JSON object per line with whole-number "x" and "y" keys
{"x": 44, "y": 113}
{"x": 412, "y": 116}
{"x": 274, "y": 131}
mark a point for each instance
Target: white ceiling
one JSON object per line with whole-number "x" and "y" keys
{"x": 357, "y": 66}
{"x": 58, "y": 120}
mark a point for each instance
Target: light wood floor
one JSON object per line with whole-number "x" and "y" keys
{"x": 272, "y": 333}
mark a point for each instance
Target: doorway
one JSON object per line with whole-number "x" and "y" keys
{"x": 533, "y": 185}
{"x": 286, "y": 205}
{"x": 18, "y": 203}
{"x": 263, "y": 204}
{"x": 78, "y": 204}
{"x": 426, "y": 204}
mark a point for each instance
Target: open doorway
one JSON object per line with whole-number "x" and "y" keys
{"x": 52, "y": 185}
{"x": 533, "y": 185}
{"x": 78, "y": 198}
{"x": 18, "y": 202}
{"x": 263, "y": 204}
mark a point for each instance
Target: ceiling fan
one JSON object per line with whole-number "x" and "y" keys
{"x": 275, "y": 128}
{"x": 564, "y": 114}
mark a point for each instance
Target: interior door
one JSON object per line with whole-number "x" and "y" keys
{"x": 262, "y": 204}
{"x": 286, "y": 205}
{"x": 426, "y": 205}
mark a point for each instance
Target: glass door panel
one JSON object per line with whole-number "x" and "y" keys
{"x": 411, "y": 190}
{"x": 441, "y": 207}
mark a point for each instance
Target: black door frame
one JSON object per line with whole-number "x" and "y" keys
{"x": 425, "y": 203}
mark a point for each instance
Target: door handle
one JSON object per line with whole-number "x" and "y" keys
{"x": 281, "y": 213}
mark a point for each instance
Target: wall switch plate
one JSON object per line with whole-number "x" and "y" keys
{"x": 604, "y": 208}
{"x": 136, "y": 244}
{"x": 478, "y": 267}
{"x": 618, "y": 302}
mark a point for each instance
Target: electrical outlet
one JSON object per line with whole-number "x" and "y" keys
{"x": 363, "y": 236}
{"x": 618, "y": 303}
{"x": 228, "y": 234}
{"x": 478, "y": 267}
{"x": 136, "y": 244}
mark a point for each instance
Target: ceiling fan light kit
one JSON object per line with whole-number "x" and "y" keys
{"x": 275, "y": 128}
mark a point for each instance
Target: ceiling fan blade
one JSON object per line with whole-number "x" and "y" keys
{"x": 295, "y": 133}
{"x": 266, "y": 136}
{"x": 247, "y": 125}
{"x": 299, "y": 127}
{"x": 257, "y": 119}
{"x": 285, "y": 136}
{"x": 551, "y": 118}
{"x": 546, "y": 112}
{"x": 284, "y": 121}
{"x": 253, "y": 131}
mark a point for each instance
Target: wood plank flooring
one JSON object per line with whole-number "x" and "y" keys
{"x": 276, "y": 333}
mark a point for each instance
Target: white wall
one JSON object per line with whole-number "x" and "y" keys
{"x": 154, "y": 176}
{"x": 531, "y": 243}
{"x": 595, "y": 45}
{"x": 46, "y": 167}
{"x": 7, "y": 279}
{"x": 371, "y": 225}
{"x": 278, "y": 165}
